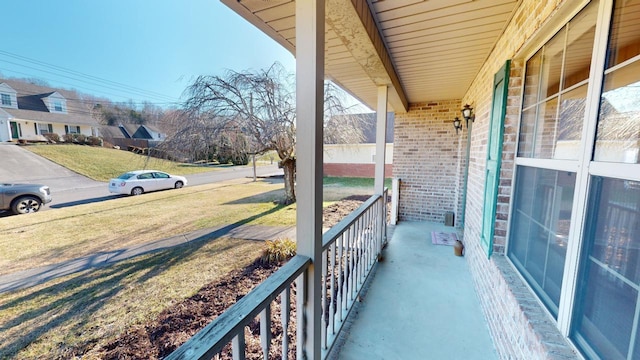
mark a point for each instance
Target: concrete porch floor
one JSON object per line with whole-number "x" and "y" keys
{"x": 420, "y": 304}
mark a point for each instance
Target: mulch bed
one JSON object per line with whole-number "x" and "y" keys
{"x": 176, "y": 324}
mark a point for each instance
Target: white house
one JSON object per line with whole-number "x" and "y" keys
{"x": 28, "y": 111}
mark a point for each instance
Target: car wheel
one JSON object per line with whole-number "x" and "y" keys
{"x": 137, "y": 191}
{"x": 179, "y": 185}
{"x": 26, "y": 204}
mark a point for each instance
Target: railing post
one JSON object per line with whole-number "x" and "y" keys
{"x": 284, "y": 319}
{"x": 238, "y": 346}
{"x": 265, "y": 331}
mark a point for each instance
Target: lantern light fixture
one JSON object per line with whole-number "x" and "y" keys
{"x": 457, "y": 124}
{"x": 467, "y": 114}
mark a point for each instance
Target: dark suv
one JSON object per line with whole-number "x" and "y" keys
{"x": 23, "y": 198}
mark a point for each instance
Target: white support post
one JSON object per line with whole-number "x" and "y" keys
{"x": 395, "y": 198}
{"x": 381, "y": 142}
{"x": 381, "y": 147}
{"x": 310, "y": 17}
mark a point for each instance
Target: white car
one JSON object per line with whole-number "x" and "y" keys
{"x": 142, "y": 181}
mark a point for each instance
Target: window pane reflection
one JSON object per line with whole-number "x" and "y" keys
{"x": 625, "y": 28}
{"x": 571, "y": 119}
{"x": 532, "y": 79}
{"x": 552, "y": 66}
{"x": 581, "y": 32}
{"x": 618, "y": 136}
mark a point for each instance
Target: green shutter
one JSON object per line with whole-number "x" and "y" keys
{"x": 494, "y": 156}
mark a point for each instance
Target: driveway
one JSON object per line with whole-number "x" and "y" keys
{"x": 18, "y": 165}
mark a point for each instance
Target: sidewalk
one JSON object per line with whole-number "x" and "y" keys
{"x": 31, "y": 277}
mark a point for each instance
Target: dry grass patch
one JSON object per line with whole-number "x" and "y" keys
{"x": 67, "y": 316}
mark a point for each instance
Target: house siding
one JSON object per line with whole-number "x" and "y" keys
{"x": 428, "y": 159}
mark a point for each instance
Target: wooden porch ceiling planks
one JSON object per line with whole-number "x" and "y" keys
{"x": 427, "y": 50}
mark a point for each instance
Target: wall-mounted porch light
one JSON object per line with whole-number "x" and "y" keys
{"x": 467, "y": 114}
{"x": 457, "y": 124}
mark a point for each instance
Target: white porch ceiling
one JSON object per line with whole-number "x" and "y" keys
{"x": 423, "y": 49}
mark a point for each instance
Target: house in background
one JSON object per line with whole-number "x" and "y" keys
{"x": 358, "y": 160}
{"x": 125, "y": 135}
{"x": 147, "y": 132}
{"x": 28, "y": 111}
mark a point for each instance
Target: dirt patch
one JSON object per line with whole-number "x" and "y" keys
{"x": 176, "y": 324}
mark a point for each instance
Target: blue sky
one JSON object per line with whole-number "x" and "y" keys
{"x": 154, "y": 45}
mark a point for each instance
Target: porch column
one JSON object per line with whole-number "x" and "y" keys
{"x": 309, "y": 121}
{"x": 381, "y": 142}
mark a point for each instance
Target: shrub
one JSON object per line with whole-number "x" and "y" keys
{"x": 52, "y": 137}
{"x": 68, "y": 138}
{"x": 277, "y": 251}
{"x": 94, "y": 141}
{"x": 80, "y": 138}
{"x": 241, "y": 159}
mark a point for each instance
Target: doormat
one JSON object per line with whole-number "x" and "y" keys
{"x": 443, "y": 238}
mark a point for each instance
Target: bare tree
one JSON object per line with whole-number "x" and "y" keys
{"x": 262, "y": 105}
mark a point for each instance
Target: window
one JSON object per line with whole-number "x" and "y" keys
{"x": 576, "y": 200}
{"x": 540, "y": 229}
{"x": 159, "y": 175}
{"x": 608, "y": 294}
{"x": 57, "y": 106}
{"x": 72, "y": 129}
{"x": 44, "y": 128}
{"x": 145, "y": 176}
{"x": 556, "y": 82}
{"x": 6, "y": 99}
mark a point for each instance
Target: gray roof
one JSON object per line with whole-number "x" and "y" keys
{"x": 130, "y": 129}
{"x": 32, "y": 107}
{"x": 111, "y": 132}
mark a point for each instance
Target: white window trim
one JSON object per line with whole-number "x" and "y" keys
{"x": 579, "y": 210}
{"x": 613, "y": 170}
{"x": 552, "y": 164}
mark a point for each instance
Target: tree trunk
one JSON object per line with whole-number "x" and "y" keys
{"x": 289, "y": 167}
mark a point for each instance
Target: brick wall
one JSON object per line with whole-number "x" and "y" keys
{"x": 429, "y": 159}
{"x": 520, "y": 327}
{"x": 355, "y": 170}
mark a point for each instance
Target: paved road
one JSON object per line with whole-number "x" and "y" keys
{"x": 69, "y": 188}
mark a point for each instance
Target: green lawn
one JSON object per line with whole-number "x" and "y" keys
{"x": 352, "y": 182}
{"x": 102, "y": 164}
